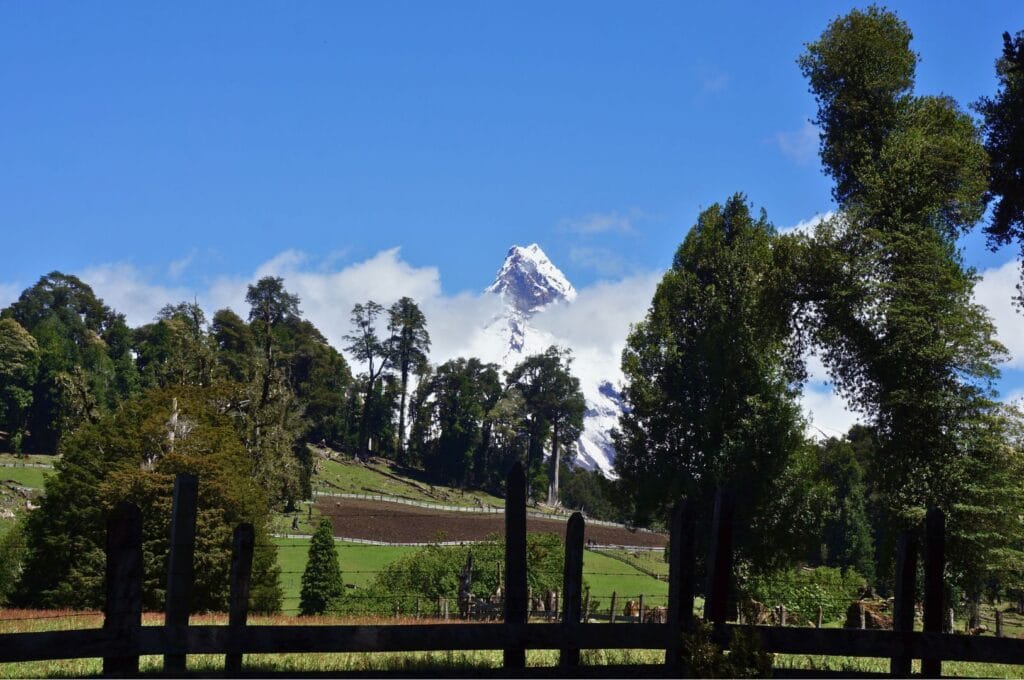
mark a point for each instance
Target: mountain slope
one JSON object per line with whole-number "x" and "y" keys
{"x": 529, "y": 283}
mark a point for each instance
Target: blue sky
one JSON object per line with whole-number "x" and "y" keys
{"x": 189, "y": 144}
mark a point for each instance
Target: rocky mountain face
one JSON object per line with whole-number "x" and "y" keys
{"x": 529, "y": 283}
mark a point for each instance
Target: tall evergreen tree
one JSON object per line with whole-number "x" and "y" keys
{"x": 19, "y": 363}
{"x": 322, "y": 586}
{"x": 366, "y": 345}
{"x": 710, "y": 377}
{"x": 409, "y": 345}
{"x": 555, "y": 406}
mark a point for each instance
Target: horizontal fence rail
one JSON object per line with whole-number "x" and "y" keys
{"x": 568, "y": 629}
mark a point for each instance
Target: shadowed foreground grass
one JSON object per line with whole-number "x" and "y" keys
{"x": 20, "y": 621}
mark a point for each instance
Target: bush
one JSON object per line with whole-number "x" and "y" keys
{"x": 802, "y": 591}
{"x": 745, "y": 659}
{"x": 433, "y": 571}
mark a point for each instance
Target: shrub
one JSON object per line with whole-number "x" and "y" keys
{"x": 803, "y": 590}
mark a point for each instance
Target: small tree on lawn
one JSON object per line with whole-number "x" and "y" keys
{"x": 322, "y": 588}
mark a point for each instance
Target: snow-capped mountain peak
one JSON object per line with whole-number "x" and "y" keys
{"x": 528, "y": 281}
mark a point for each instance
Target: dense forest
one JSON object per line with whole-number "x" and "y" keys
{"x": 712, "y": 374}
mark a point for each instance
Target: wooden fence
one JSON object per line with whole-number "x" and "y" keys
{"x": 123, "y": 638}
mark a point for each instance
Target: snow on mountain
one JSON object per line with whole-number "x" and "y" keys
{"x": 529, "y": 283}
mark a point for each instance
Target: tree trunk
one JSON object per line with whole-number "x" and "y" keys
{"x": 401, "y": 416}
{"x": 553, "y": 484}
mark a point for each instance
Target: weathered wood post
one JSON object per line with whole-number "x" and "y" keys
{"x": 238, "y": 608}
{"x": 179, "y": 569}
{"x": 903, "y": 616}
{"x": 682, "y": 580}
{"x": 999, "y": 623}
{"x": 123, "y": 610}
{"x": 640, "y": 609}
{"x": 782, "y": 615}
{"x": 611, "y": 611}
{"x": 821, "y": 617}
{"x": 515, "y": 564}
{"x": 934, "y": 565}
{"x": 572, "y": 586}
{"x": 950, "y": 621}
{"x": 863, "y": 616}
{"x": 720, "y": 560}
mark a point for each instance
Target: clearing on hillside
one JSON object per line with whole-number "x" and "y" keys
{"x": 397, "y": 523}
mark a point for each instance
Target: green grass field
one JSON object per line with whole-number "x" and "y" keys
{"x": 360, "y": 562}
{"x": 30, "y": 477}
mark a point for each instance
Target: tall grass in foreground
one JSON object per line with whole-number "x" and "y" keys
{"x": 23, "y": 621}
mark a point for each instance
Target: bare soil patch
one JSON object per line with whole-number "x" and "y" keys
{"x": 397, "y": 523}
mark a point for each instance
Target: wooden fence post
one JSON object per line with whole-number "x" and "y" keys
{"x": 572, "y": 586}
{"x": 903, "y": 615}
{"x": 782, "y": 615}
{"x": 640, "y": 610}
{"x": 720, "y": 560}
{"x": 682, "y": 581}
{"x": 123, "y": 610}
{"x": 999, "y": 623}
{"x": 515, "y": 562}
{"x": 611, "y": 611}
{"x": 934, "y": 565}
{"x": 821, "y": 616}
{"x": 238, "y": 608}
{"x": 179, "y": 568}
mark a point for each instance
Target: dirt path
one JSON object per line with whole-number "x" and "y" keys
{"x": 383, "y": 521}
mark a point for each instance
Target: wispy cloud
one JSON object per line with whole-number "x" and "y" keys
{"x": 807, "y": 226}
{"x": 711, "y": 78}
{"x": 176, "y": 267}
{"x": 800, "y": 145}
{"x": 604, "y": 261}
{"x": 603, "y": 223}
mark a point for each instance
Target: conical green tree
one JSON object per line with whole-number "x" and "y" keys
{"x": 322, "y": 588}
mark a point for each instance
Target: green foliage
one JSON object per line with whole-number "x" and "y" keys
{"x": 12, "y": 558}
{"x": 1003, "y": 126}
{"x": 745, "y": 659}
{"x": 322, "y": 588}
{"x": 19, "y": 363}
{"x": 453, "y": 405}
{"x": 803, "y": 590}
{"x": 366, "y": 345}
{"x": 555, "y": 406}
{"x": 846, "y": 540}
{"x": 127, "y": 455}
{"x": 589, "y": 491}
{"x": 85, "y": 364}
{"x": 433, "y": 571}
{"x": 409, "y": 345}
{"x": 709, "y": 382}
{"x": 884, "y": 291}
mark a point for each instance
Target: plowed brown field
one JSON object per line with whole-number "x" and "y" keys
{"x": 397, "y": 523}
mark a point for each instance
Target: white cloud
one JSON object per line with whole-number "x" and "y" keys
{"x": 9, "y": 292}
{"x": 800, "y": 145}
{"x": 995, "y": 291}
{"x": 807, "y": 226}
{"x": 127, "y": 290}
{"x": 594, "y": 326}
{"x": 602, "y": 223}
